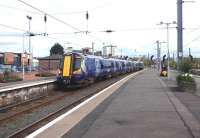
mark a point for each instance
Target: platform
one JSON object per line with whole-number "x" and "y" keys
{"x": 141, "y": 108}
{"x": 21, "y": 84}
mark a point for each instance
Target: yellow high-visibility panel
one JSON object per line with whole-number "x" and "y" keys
{"x": 66, "y": 66}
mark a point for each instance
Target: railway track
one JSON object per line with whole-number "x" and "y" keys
{"x": 25, "y": 131}
{"x": 30, "y": 105}
{"x": 9, "y": 107}
{"x": 69, "y": 100}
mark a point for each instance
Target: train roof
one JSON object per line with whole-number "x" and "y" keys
{"x": 99, "y": 57}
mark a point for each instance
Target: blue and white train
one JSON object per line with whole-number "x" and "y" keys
{"x": 79, "y": 69}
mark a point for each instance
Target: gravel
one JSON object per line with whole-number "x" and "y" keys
{"x": 21, "y": 121}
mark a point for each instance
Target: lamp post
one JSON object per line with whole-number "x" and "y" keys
{"x": 29, "y": 28}
{"x": 158, "y": 54}
{"x": 111, "y": 49}
{"x": 23, "y": 56}
{"x": 168, "y": 54}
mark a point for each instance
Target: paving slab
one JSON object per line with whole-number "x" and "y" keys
{"x": 141, "y": 108}
{"x": 18, "y": 83}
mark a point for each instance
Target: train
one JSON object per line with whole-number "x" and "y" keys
{"x": 78, "y": 69}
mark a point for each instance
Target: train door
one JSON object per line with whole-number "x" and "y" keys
{"x": 67, "y": 65}
{"x": 98, "y": 67}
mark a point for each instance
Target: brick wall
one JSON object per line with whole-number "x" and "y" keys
{"x": 46, "y": 65}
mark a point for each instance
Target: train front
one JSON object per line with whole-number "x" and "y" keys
{"x": 71, "y": 71}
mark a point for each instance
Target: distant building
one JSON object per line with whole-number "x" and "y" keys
{"x": 104, "y": 51}
{"x": 109, "y": 50}
{"x": 87, "y": 50}
{"x": 98, "y": 53}
{"x": 13, "y": 61}
{"x": 9, "y": 58}
{"x": 49, "y": 63}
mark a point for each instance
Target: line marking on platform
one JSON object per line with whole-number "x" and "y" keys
{"x": 108, "y": 91}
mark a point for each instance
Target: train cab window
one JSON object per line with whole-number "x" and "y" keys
{"x": 61, "y": 63}
{"x": 77, "y": 63}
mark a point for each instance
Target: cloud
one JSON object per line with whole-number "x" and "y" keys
{"x": 105, "y": 14}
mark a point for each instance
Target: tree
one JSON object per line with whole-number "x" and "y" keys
{"x": 56, "y": 49}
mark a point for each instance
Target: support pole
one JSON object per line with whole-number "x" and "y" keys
{"x": 179, "y": 32}
{"x": 30, "y": 55}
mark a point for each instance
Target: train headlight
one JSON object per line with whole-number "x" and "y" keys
{"x": 59, "y": 72}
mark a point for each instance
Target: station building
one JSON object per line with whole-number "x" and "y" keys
{"x": 11, "y": 61}
{"x": 14, "y": 61}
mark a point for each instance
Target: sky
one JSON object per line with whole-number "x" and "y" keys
{"x": 135, "y": 22}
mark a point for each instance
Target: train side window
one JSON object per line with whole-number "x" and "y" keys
{"x": 77, "y": 63}
{"x": 97, "y": 63}
{"x": 117, "y": 65}
{"x": 101, "y": 63}
{"x": 112, "y": 64}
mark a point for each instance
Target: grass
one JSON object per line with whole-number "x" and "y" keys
{"x": 44, "y": 74}
{"x": 8, "y": 77}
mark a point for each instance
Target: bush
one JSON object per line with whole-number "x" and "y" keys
{"x": 185, "y": 66}
{"x": 173, "y": 64}
{"x": 186, "y": 83}
{"x": 44, "y": 74}
{"x": 9, "y": 77}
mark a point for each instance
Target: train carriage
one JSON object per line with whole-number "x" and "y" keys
{"x": 72, "y": 69}
{"x": 79, "y": 69}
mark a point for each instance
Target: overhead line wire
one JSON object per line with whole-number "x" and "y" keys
{"x": 197, "y": 38}
{"x": 14, "y": 28}
{"x": 64, "y": 41}
{"x": 22, "y": 10}
{"x": 82, "y": 11}
{"x": 55, "y": 18}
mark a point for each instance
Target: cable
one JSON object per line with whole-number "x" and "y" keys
{"x": 23, "y": 10}
{"x": 57, "y": 19}
{"x": 194, "y": 29}
{"x": 18, "y": 9}
{"x": 12, "y": 34}
{"x": 83, "y": 11}
{"x": 14, "y": 28}
{"x": 197, "y": 38}
{"x": 61, "y": 33}
{"x": 133, "y": 29}
{"x": 65, "y": 13}
{"x": 65, "y": 42}
{"x": 106, "y": 31}
{"x": 49, "y": 15}
{"x": 97, "y": 39}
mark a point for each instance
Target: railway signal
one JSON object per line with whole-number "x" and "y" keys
{"x": 152, "y": 57}
{"x": 87, "y": 15}
{"x": 45, "y": 21}
{"x": 164, "y": 58}
{"x": 191, "y": 57}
